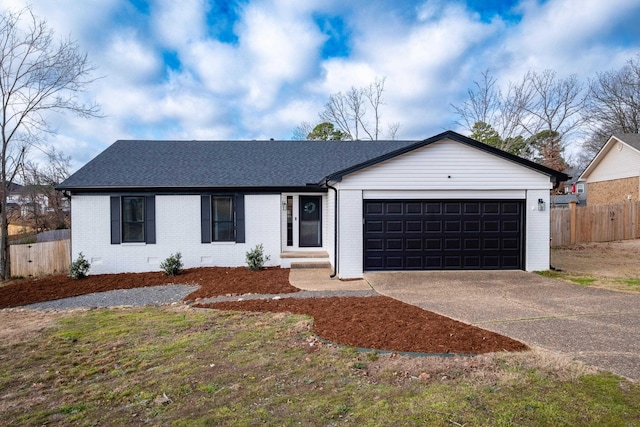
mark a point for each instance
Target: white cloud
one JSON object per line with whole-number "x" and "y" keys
{"x": 279, "y": 47}
{"x": 273, "y": 77}
{"x": 178, "y": 23}
{"x": 129, "y": 61}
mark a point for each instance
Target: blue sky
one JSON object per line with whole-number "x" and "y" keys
{"x": 254, "y": 69}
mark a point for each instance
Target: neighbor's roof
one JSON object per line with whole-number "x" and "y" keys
{"x": 246, "y": 164}
{"x": 631, "y": 139}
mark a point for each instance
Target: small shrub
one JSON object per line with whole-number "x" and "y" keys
{"x": 256, "y": 258}
{"x": 79, "y": 268}
{"x": 172, "y": 266}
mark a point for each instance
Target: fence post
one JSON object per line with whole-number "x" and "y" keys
{"x": 572, "y": 221}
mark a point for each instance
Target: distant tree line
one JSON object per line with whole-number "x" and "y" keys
{"x": 535, "y": 117}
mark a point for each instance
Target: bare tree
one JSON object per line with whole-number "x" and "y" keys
{"x": 614, "y": 104}
{"x": 37, "y": 75}
{"x": 43, "y": 207}
{"x": 539, "y": 108}
{"x": 301, "y": 131}
{"x": 358, "y": 111}
{"x": 487, "y": 105}
{"x": 556, "y": 110}
{"x": 392, "y": 130}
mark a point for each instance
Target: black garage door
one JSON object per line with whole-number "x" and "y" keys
{"x": 443, "y": 235}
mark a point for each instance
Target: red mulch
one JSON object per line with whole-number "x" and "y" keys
{"x": 383, "y": 323}
{"x": 370, "y": 322}
{"x": 213, "y": 281}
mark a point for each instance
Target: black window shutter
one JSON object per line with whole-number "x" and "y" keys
{"x": 115, "y": 220}
{"x": 205, "y": 219}
{"x": 240, "y": 234}
{"x": 150, "y": 220}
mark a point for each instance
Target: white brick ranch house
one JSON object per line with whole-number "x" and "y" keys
{"x": 447, "y": 202}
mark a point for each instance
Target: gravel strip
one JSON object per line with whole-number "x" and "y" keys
{"x": 301, "y": 294}
{"x": 152, "y": 295}
{"x": 167, "y": 294}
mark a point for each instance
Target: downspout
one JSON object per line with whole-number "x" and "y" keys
{"x": 67, "y": 195}
{"x": 335, "y": 231}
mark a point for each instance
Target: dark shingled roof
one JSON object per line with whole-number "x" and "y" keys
{"x": 184, "y": 164}
{"x": 248, "y": 164}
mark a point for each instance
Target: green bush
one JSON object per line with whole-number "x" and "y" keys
{"x": 172, "y": 266}
{"x": 256, "y": 258}
{"x": 79, "y": 268}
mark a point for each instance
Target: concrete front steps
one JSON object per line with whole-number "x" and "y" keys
{"x": 312, "y": 259}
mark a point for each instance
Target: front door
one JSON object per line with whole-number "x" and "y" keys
{"x": 310, "y": 221}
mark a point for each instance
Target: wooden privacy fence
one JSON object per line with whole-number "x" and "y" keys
{"x": 601, "y": 223}
{"x": 40, "y": 259}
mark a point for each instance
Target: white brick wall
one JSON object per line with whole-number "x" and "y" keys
{"x": 538, "y": 233}
{"x": 177, "y": 230}
{"x": 350, "y": 243}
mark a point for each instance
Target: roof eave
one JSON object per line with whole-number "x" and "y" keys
{"x": 190, "y": 189}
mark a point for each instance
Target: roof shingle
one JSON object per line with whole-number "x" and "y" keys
{"x": 144, "y": 164}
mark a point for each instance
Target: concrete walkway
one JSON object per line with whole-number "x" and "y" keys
{"x": 318, "y": 279}
{"x": 593, "y": 325}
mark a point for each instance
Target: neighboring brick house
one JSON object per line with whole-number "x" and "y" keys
{"x": 613, "y": 176}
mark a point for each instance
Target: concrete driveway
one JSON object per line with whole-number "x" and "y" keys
{"x": 596, "y": 326}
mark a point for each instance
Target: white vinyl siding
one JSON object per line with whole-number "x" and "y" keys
{"x": 447, "y": 165}
{"x": 616, "y": 163}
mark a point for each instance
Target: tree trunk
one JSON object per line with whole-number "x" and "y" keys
{"x": 5, "y": 257}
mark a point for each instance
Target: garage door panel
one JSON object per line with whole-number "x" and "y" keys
{"x": 471, "y": 243}
{"x": 394, "y": 245}
{"x": 373, "y": 226}
{"x": 452, "y": 227}
{"x": 491, "y": 262}
{"x": 471, "y": 226}
{"x": 510, "y": 262}
{"x": 510, "y": 244}
{"x": 433, "y": 226}
{"x": 375, "y": 262}
{"x": 414, "y": 263}
{"x": 491, "y": 208}
{"x": 453, "y": 262}
{"x": 413, "y": 226}
{"x": 471, "y": 208}
{"x": 433, "y": 244}
{"x": 414, "y": 208}
{"x": 433, "y": 263}
{"x": 374, "y": 208}
{"x": 472, "y": 262}
{"x": 434, "y": 235}
{"x": 509, "y": 226}
{"x": 374, "y": 245}
{"x": 490, "y": 244}
{"x": 413, "y": 245}
{"x": 394, "y": 226}
{"x": 394, "y": 208}
{"x": 452, "y": 208}
{"x": 490, "y": 226}
{"x": 433, "y": 208}
{"x": 452, "y": 245}
{"x": 510, "y": 208}
{"x": 394, "y": 263}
